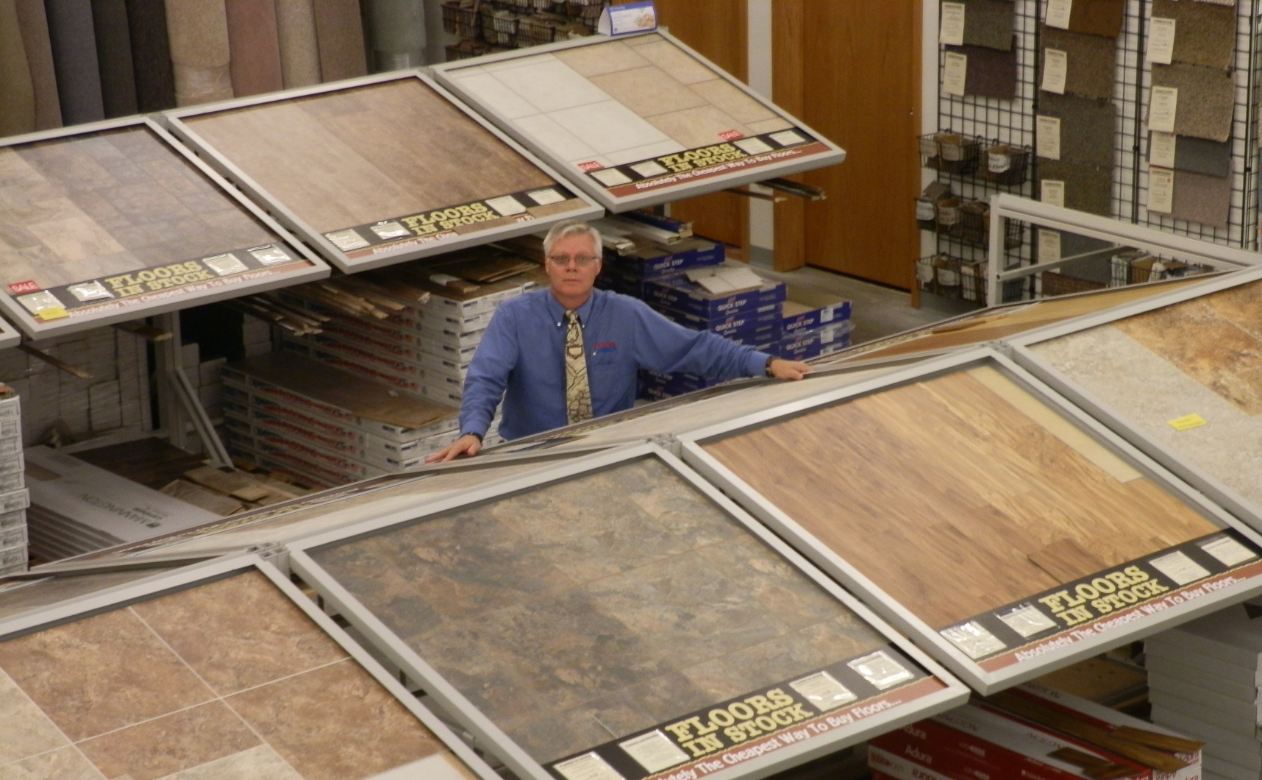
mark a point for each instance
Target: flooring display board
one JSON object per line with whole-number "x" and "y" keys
{"x": 1005, "y": 530}
{"x": 637, "y": 121}
{"x": 379, "y": 170}
{"x": 1181, "y": 378}
{"x": 219, "y": 670}
{"x": 117, "y": 221}
{"x": 620, "y": 618}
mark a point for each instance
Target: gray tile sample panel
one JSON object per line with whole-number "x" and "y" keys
{"x": 598, "y": 608}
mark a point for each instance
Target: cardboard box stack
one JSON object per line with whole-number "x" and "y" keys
{"x": 14, "y": 498}
{"x": 1037, "y": 733}
{"x": 324, "y": 426}
{"x": 813, "y": 325}
{"x": 1205, "y": 678}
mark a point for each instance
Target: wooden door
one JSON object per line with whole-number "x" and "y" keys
{"x": 851, "y": 70}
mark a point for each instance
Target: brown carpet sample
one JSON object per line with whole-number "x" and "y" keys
{"x": 1087, "y": 127}
{"x": 1200, "y": 156}
{"x": 299, "y": 52}
{"x": 255, "y": 46}
{"x": 113, "y": 49}
{"x": 17, "y": 90}
{"x": 1091, "y": 61}
{"x": 151, "y": 55}
{"x": 33, "y": 22}
{"x": 991, "y": 73}
{"x": 199, "y": 49}
{"x": 340, "y": 33}
{"x": 1098, "y": 17}
{"x": 1088, "y": 188}
{"x": 989, "y": 23}
{"x": 1204, "y": 33}
{"x": 1202, "y": 199}
{"x": 1207, "y": 99}
{"x": 74, "y": 58}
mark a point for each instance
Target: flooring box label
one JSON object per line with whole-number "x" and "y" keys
{"x": 756, "y": 723}
{"x": 1109, "y": 599}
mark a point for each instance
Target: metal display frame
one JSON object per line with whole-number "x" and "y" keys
{"x": 8, "y": 336}
{"x": 896, "y": 713}
{"x": 1028, "y": 661}
{"x": 1043, "y": 215}
{"x": 159, "y": 585}
{"x": 1115, "y": 419}
{"x": 179, "y": 299}
{"x": 665, "y": 194}
{"x": 419, "y": 248}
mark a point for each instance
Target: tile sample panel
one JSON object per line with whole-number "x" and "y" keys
{"x": 602, "y": 608}
{"x": 1202, "y": 356}
{"x": 114, "y": 224}
{"x": 225, "y": 679}
{"x": 384, "y": 169}
{"x": 970, "y": 504}
{"x": 637, "y": 118}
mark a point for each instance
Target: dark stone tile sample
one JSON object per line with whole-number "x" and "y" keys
{"x": 1087, "y": 127}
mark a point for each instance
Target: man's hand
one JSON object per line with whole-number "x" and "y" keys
{"x": 469, "y": 445}
{"x": 788, "y": 369}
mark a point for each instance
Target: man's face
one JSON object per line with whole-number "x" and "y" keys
{"x": 574, "y": 276}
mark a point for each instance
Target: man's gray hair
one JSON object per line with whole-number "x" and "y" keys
{"x": 567, "y": 228}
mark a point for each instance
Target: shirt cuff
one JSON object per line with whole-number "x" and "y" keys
{"x": 756, "y": 364}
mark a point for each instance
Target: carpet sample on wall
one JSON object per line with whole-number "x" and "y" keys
{"x": 33, "y": 23}
{"x": 73, "y": 40}
{"x": 1200, "y": 156}
{"x": 1204, "y": 33}
{"x": 1207, "y": 99}
{"x": 151, "y": 55}
{"x": 113, "y": 48}
{"x": 1098, "y": 17}
{"x": 255, "y": 47}
{"x": 991, "y": 73}
{"x": 1088, "y": 188}
{"x": 1202, "y": 199}
{"x": 198, "y": 31}
{"x": 1091, "y": 61}
{"x": 1087, "y": 127}
{"x": 989, "y": 23}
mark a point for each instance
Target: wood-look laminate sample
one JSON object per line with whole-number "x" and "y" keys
{"x": 87, "y": 210}
{"x": 588, "y": 609}
{"x": 226, "y": 679}
{"x": 949, "y": 493}
{"x": 618, "y": 111}
{"x": 1202, "y": 356}
{"x": 354, "y": 157}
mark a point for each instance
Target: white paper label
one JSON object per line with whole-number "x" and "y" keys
{"x": 1049, "y": 245}
{"x": 880, "y": 670}
{"x": 1228, "y": 551}
{"x": 610, "y": 177}
{"x": 37, "y": 302}
{"x": 1179, "y": 568}
{"x": 506, "y": 205}
{"x": 546, "y": 196}
{"x": 1027, "y": 621}
{"x": 998, "y": 162}
{"x": 654, "y": 751}
{"x": 787, "y": 138}
{"x": 1161, "y": 40}
{"x": 752, "y": 145}
{"x": 1058, "y": 12}
{"x": 1162, "y": 109}
{"x": 823, "y": 691}
{"x": 973, "y": 639}
{"x": 952, "y": 31}
{"x": 955, "y": 73}
{"x": 1049, "y": 137}
{"x": 1052, "y": 191}
{"x": 270, "y": 254}
{"x": 95, "y": 291}
{"x": 346, "y": 240}
{"x": 389, "y": 230}
{"x": 925, "y": 211}
{"x": 1160, "y": 190}
{"x": 1161, "y": 149}
{"x": 589, "y": 766}
{"x": 1055, "y": 68}
{"x": 225, "y": 264}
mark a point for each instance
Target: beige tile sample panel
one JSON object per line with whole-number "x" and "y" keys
{"x": 223, "y": 680}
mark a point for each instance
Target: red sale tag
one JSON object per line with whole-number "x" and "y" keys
{"x": 20, "y": 288}
{"x": 731, "y": 135}
{"x": 590, "y": 166}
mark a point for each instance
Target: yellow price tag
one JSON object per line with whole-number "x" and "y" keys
{"x": 52, "y": 313}
{"x": 1188, "y": 423}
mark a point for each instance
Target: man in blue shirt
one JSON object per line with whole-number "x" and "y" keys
{"x": 522, "y": 357}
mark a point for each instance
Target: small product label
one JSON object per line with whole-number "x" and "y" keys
{"x": 951, "y": 32}
{"x": 390, "y": 230}
{"x": 20, "y": 288}
{"x": 753, "y": 145}
{"x": 1163, "y": 108}
{"x": 40, "y": 301}
{"x": 1228, "y": 551}
{"x": 973, "y": 639}
{"x": 955, "y": 73}
{"x": 1058, "y": 13}
{"x": 1049, "y": 245}
{"x": 654, "y": 751}
{"x": 1161, "y": 40}
{"x": 822, "y": 690}
{"x": 649, "y": 169}
{"x": 225, "y": 265}
{"x": 1188, "y": 422}
{"x": 588, "y": 167}
{"x": 1055, "y": 70}
{"x": 346, "y": 240}
{"x": 506, "y": 205}
{"x": 998, "y": 162}
{"x": 546, "y": 196}
{"x": 1161, "y": 149}
{"x": 881, "y": 670}
{"x": 787, "y": 138}
{"x": 1052, "y": 191}
{"x": 1048, "y": 137}
{"x": 731, "y": 135}
{"x": 589, "y": 766}
{"x": 1160, "y": 190}
{"x": 610, "y": 177}
{"x": 270, "y": 255}
{"x": 1180, "y": 568}
{"x": 925, "y": 210}
{"x": 1026, "y": 620}
{"x": 89, "y": 291}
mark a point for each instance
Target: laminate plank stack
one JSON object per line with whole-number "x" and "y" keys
{"x": 14, "y": 498}
{"x": 1205, "y": 678}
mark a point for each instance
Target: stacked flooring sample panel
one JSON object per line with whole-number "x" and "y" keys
{"x": 13, "y": 497}
{"x": 593, "y": 618}
{"x": 638, "y": 121}
{"x": 99, "y": 227}
{"x": 382, "y": 172}
{"x": 225, "y": 677}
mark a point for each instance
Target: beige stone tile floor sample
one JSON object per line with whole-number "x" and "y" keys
{"x": 617, "y": 102}
{"x": 955, "y": 495}
{"x": 222, "y": 680}
{"x": 596, "y": 606}
{"x": 100, "y": 204}
{"x": 1202, "y": 356}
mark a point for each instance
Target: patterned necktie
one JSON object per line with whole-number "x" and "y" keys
{"x": 578, "y": 396}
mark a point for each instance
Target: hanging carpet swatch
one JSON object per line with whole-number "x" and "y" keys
{"x": 255, "y": 47}
{"x": 1201, "y": 156}
{"x": 33, "y": 23}
{"x": 991, "y": 73}
{"x": 1203, "y": 199}
{"x": 1207, "y": 99}
{"x": 1098, "y": 17}
{"x": 73, "y": 41}
{"x": 989, "y": 23}
{"x": 151, "y": 54}
{"x": 1091, "y": 61}
{"x": 1204, "y": 33}
{"x": 1088, "y": 188}
{"x": 199, "y": 50}
{"x": 1087, "y": 127}
{"x": 114, "y": 52}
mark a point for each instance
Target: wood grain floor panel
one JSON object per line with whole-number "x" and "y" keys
{"x": 949, "y": 498}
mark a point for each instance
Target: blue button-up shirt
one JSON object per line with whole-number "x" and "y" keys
{"x": 521, "y": 359}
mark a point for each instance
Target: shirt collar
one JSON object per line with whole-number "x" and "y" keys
{"x": 557, "y": 312}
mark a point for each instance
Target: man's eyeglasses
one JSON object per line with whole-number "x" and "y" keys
{"x": 582, "y": 261}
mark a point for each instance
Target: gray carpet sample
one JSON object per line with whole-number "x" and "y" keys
{"x": 1207, "y": 99}
{"x": 1204, "y": 33}
{"x": 1088, "y": 188}
{"x": 991, "y": 73}
{"x": 1202, "y": 199}
{"x": 1087, "y": 127}
{"x": 1092, "y": 60}
{"x": 1200, "y": 156}
{"x": 989, "y": 23}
